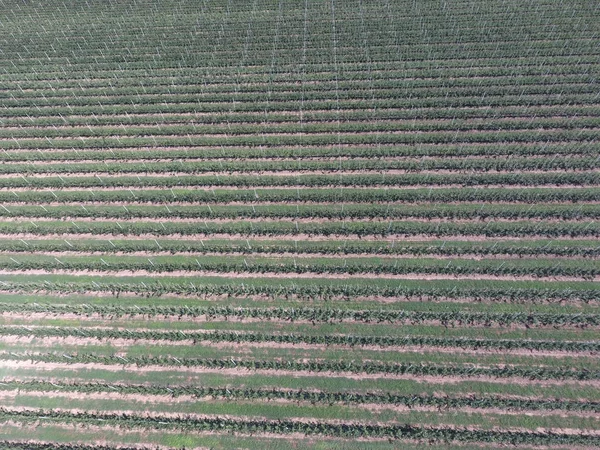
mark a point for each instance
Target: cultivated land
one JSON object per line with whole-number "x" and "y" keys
{"x": 299, "y": 224}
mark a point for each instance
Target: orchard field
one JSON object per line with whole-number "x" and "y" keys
{"x": 309, "y": 224}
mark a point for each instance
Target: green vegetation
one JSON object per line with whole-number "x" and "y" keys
{"x": 319, "y": 225}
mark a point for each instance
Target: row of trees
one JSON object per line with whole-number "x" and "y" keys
{"x": 269, "y": 140}
{"x": 451, "y": 290}
{"x": 352, "y": 211}
{"x": 176, "y": 116}
{"x": 341, "y": 340}
{"x": 268, "y": 180}
{"x": 299, "y": 165}
{"x": 352, "y": 247}
{"x": 464, "y": 267}
{"x": 452, "y": 318}
{"x": 289, "y": 228}
{"x": 287, "y": 71}
{"x": 351, "y": 430}
{"x": 185, "y": 150}
{"x": 316, "y": 366}
{"x": 391, "y": 80}
{"x": 186, "y": 81}
{"x": 364, "y": 125}
{"x": 312, "y": 396}
{"x": 349, "y": 195}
